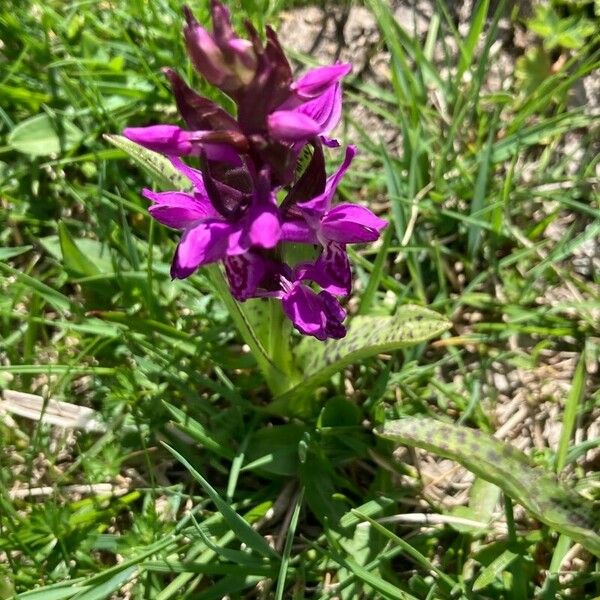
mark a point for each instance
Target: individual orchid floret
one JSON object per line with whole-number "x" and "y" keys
{"x": 222, "y": 58}
{"x": 313, "y": 220}
{"x": 314, "y": 106}
{"x": 318, "y": 314}
{"x": 217, "y": 220}
{"x": 312, "y": 313}
{"x": 174, "y": 141}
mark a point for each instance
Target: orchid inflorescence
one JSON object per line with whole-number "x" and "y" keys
{"x": 252, "y": 203}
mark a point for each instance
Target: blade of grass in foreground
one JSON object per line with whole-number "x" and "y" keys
{"x": 238, "y": 525}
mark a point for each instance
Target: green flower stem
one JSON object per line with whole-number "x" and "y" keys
{"x": 275, "y": 360}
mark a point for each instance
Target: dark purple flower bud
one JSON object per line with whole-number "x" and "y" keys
{"x": 198, "y": 112}
{"x": 223, "y": 59}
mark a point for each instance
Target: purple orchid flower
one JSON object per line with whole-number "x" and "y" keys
{"x": 253, "y": 275}
{"x": 231, "y": 215}
{"x": 315, "y": 221}
{"x": 314, "y": 106}
{"x": 217, "y": 220}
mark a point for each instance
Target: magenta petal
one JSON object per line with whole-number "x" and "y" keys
{"x": 292, "y": 126}
{"x": 168, "y": 139}
{"x": 334, "y": 315}
{"x": 326, "y": 109}
{"x": 264, "y": 229}
{"x": 351, "y": 224}
{"x": 316, "y": 81}
{"x": 245, "y": 273}
{"x": 319, "y": 315}
{"x": 304, "y": 310}
{"x": 331, "y": 271}
{"x": 319, "y": 205}
{"x": 298, "y": 230}
{"x": 200, "y": 245}
{"x": 177, "y": 209}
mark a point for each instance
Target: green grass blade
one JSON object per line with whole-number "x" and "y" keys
{"x": 490, "y": 573}
{"x": 239, "y": 526}
{"x": 467, "y": 50}
{"x": 568, "y": 421}
{"x": 287, "y": 549}
{"x": 73, "y": 258}
{"x": 109, "y": 587}
{"x": 409, "y": 550}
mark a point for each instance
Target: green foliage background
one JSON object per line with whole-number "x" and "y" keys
{"x": 208, "y": 474}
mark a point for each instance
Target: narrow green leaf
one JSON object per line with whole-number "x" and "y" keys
{"x": 493, "y": 570}
{"x": 570, "y": 414}
{"x": 53, "y": 297}
{"x": 536, "y": 489}
{"x": 386, "y": 589}
{"x": 74, "y": 259}
{"x": 467, "y": 50}
{"x": 42, "y": 135}
{"x": 197, "y": 431}
{"x": 109, "y": 587}
{"x": 367, "y": 336}
{"x": 287, "y": 550}
{"x": 479, "y": 193}
{"x": 239, "y": 526}
{"x": 58, "y": 591}
{"x": 409, "y": 550}
{"x": 7, "y": 253}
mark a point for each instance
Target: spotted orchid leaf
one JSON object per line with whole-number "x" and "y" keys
{"x": 367, "y": 336}
{"x": 538, "y": 490}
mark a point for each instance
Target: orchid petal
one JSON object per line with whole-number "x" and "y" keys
{"x": 319, "y": 205}
{"x": 245, "y": 273}
{"x": 351, "y": 224}
{"x": 292, "y": 126}
{"x": 316, "y": 81}
{"x": 298, "y": 230}
{"x": 178, "y": 209}
{"x": 331, "y": 271}
{"x": 326, "y": 109}
{"x": 319, "y": 315}
{"x": 168, "y": 139}
{"x": 204, "y": 243}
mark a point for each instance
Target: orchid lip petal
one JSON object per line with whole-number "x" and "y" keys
{"x": 202, "y": 244}
{"x": 178, "y": 209}
{"x": 316, "y": 81}
{"x": 168, "y": 139}
{"x": 292, "y": 126}
{"x": 351, "y": 224}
